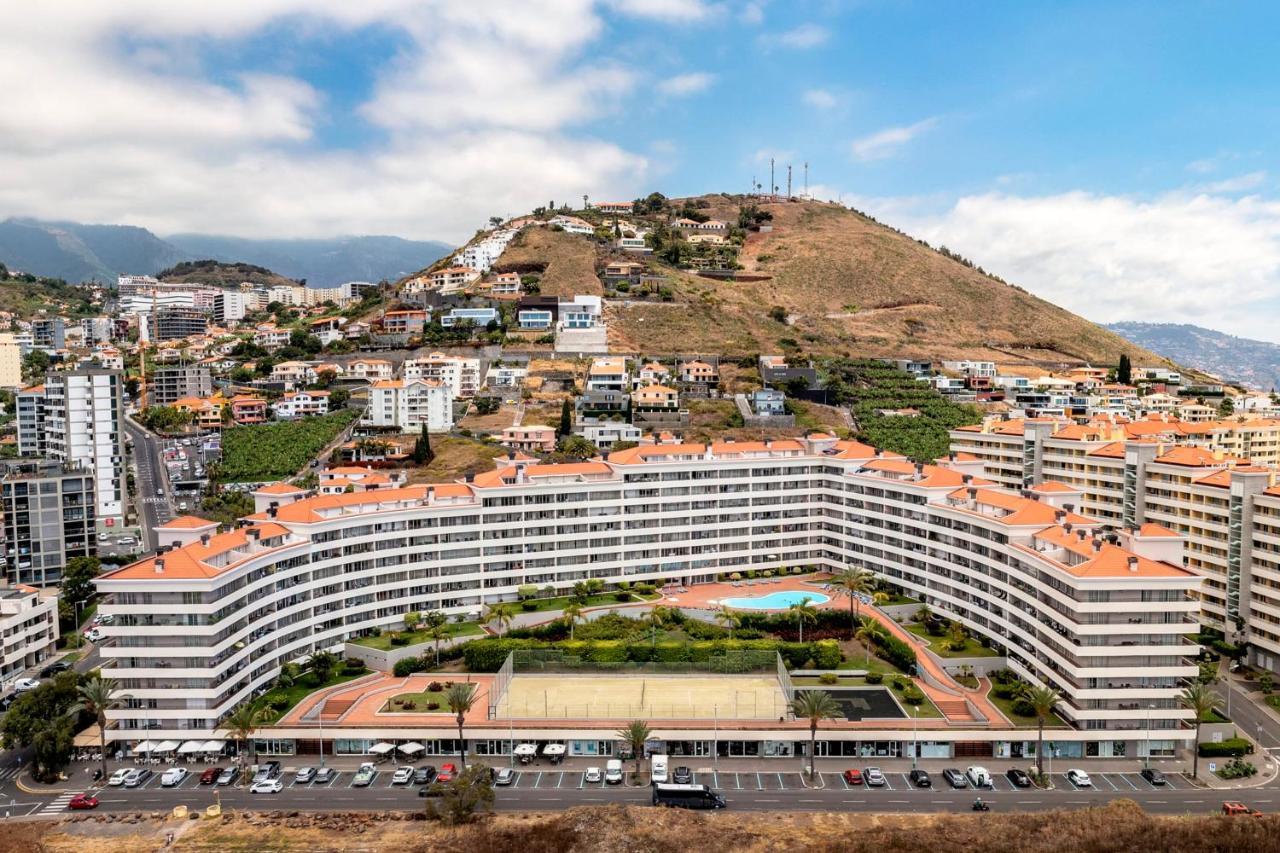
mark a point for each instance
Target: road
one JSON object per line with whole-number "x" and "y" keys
{"x": 1252, "y": 720}
{"x": 550, "y": 789}
{"x": 153, "y": 510}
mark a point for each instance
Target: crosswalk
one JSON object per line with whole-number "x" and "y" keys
{"x": 7, "y": 773}
{"x": 58, "y": 805}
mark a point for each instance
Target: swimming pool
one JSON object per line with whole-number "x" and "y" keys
{"x": 775, "y": 600}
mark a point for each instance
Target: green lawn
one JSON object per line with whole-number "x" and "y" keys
{"x": 1006, "y": 707}
{"x": 559, "y": 602}
{"x": 303, "y": 687}
{"x": 876, "y": 665}
{"x": 924, "y": 711}
{"x": 942, "y": 648}
{"x": 383, "y": 641}
{"x": 418, "y": 703}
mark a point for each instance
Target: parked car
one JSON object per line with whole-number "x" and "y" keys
{"x": 1236, "y": 808}
{"x": 304, "y": 776}
{"x": 612, "y": 772}
{"x": 978, "y": 777}
{"x": 1154, "y": 776}
{"x": 324, "y": 776}
{"x": 955, "y": 778}
{"x": 136, "y": 777}
{"x": 267, "y": 786}
{"x": 682, "y": 776}
{"x": 506, "y": 776}
{"x": 210, "y": 776}
{"x": 873, "y": 777}
{"x": 83, "y": 801}
{"x": 402, "y": 776}
{"x": 448, "y": 772}
{"x": 118, "y": 777}
{"x": 54, "y": 668}
{"x": 1079, "y": 778}
{"x": 22, "y": 685}
{"x": 103, "y": 618}
{"x": 173, "y": 777}
{"x": 1018, "y": 777}
{"x": 364, "y": 775}
{"x": 920, "y": 778}
{"x": 853, "y": 776}
{"x": 424, "y": 775}
{"x": 93, "y": 635}
{"x": 226, "y": 777}
{"x": 593, "y": 775}
{"x": 268, "y": 771}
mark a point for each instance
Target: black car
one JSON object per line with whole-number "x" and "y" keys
{"x": 1019, "y": 778}
{"x": 920, "y": 778}
{"x": 1154, "y": 776}
{"x": 955, "y": 778}
{"x": 682, "y": 776}
{"x": 54, "y": 668}
{"x": 424, "y": 775}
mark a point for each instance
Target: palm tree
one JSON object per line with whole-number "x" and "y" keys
{"x": 957, "y": 636}
{"x": 868, "y": 630}
{"x": 499, "y": 612}
{"x": 435, "y": 621}
{"x": 1200, "y": 698}
{"x": 804, "y": 612}
{"x": 852, "y": 583}
{"x": 322, "y": 663}
{"x": 572, "y": 613}
{"x": 96, "y": 696}
{"x": 729, "y": 618}
{"x": 635, "y": 735}
{"x": 1042, "y": 699}
{"x": 245, "y": 719}
{"x": 460, "y": 698}
{"x": 816, "y": 706}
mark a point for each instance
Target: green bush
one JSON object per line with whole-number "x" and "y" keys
{"x": 1022, "y": 708}
{"x": 1004, "y": 691}
{"x": 645, "y": 589}
{"x": 408, "y": 666}
{"x": 826, "y": 654}
{"x": 1231, "y": 747}
{"x": 895, "y": 651}
{"x": 875, "y": 677}
{"x": 828, "y": 678}
{"x": 622, "y": 595}
{"x": 528, "y": 606}
{"x": 913, "y": 697}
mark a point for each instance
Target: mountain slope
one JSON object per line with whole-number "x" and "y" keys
{"x": 221, "y": 274}
{"x": 1247, "y": 362}
{"x": 76, "y": 252}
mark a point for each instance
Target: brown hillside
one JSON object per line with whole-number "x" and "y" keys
{"x": 222, "y": 274}
{"x": 570, "y": 261}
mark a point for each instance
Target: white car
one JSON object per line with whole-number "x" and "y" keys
{"x": 267, "y": 786}
{"x": 173, "y": 777}
{"x": 24, "y": 684}
{"x": 1079, "y": 778}
{"x": 117, "y": 778}
{"x": 593, "y": 774}
{"x": 402, "y": 776}
{"x": 978, "y": 777}
{"x": 93, "y": 635}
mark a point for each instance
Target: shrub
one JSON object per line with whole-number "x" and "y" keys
{"x": 828, "y": 678}
{"x": 895, "y": 651}
{"x": 1004, "y": 691}
{"x": 408, "y": 666}
{"x": 645, "y": 589}
{"x": 432, "y": 706}
{"x": 826, "y": 654}
{"x": 899, "y": 684}
{"x": 398, "y": 640}
{"x": 1022, "y": 708}
{"x": 913, "y": 697}
{"x": 875, "y": 677}
{"x": 1231, "y": 747}
{"x": 528, "y": 606}
{"x": 622, "y": 595}
{"x": 434, "y": 687}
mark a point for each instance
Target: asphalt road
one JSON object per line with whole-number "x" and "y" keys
{"x": 550, "y": 789}
{"x": 1251, "y": 719}
{"x": 152, "y": 510}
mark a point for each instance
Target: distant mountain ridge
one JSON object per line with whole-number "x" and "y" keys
{"x": 1241, "y": 361}
{"x": 78, "y": 252}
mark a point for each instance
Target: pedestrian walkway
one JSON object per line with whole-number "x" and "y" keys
{"x": 7, "y": 773}
{"x": 58, "y": 804}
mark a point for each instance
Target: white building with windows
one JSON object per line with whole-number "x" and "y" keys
{"x": 463, "y": 377}
{"x": 83, "y": 424}
{"x": 28, "y": 630}
{"x": 409, "y": 404}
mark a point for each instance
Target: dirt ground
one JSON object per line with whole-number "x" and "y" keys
{"x": 1118, "y": 827}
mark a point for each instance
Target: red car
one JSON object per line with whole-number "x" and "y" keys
{"x": 853, "y": 777}
{"x": 210, "y": 776}
{"x": 447, "y": 773}
{"x": 83, "y": 801}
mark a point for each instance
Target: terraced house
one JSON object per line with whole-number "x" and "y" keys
{"x": 1104, "y": 619}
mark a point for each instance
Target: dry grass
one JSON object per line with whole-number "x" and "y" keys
{"x": 570, "y": 260}
{"x": 455, "y": 457}
{"x": 493, "y": 422}
{"x": 1118, "y": 827}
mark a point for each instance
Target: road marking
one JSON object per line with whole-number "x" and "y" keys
{"x": 1125, "y": 777}
{"x": 847, "y": 786}
{"x": 759, "y": 782}
{"x": 781, "y": 785}
{"x": 1104, "y": 778}
{"x": 906, "y": 780}
{"x": 1169, "y": 782}
{"x": 560, "y": 781}
{"x": 582, "y": 782}
{"x": 537, "y": 782}
{"x": 737, "y": 778}
{"x": 57, "y": 805}
{"x": 887, "y": 783}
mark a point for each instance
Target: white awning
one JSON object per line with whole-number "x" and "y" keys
{"x": 381, "y": 748}
{"x": 526, "y": 749}
{"x": 165, "y": 746}
{"x": 144, "y": 746}
{"x": 553, "y": 749}
{"x": 191, "y": 746}
{"x": 213, "y": 746}
{"x": 411, "y": 748}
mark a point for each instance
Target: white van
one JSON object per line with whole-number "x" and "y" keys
{"x": 657, "y": 768}
{"x": 613, "y": 772}
{"x": 978, "y": 777}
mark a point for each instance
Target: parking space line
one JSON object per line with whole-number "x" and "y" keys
{"x": 1104, "y": 778}
{"x": 737, "y": 779}
{"x": 906, "y": 780}
{"x": 840, "y": 776}
{"x": 1073, "y": 785}
{"x": 582, "y": 782}
{"x": 537, "y": 782}
{"x": 759, "y": 782}
{"x": 715, "y": 778}
{"x": 1125, "y": 778}
{"x": 782, "y": 786}
{"x": 887, "y": 783}
{"x": 1169, "y": 784}
{"x": 560, "y": 781}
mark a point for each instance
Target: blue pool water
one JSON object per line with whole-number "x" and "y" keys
{"x": 775, "y": 600}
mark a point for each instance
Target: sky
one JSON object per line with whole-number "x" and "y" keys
{"x": 1117, "y": 158}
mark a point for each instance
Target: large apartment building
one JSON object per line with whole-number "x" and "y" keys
{"x": 1186, "y": 481}
{"x": 48, "y": 519}
{"x": 28, "y": 629}
{"x": 202, "y": 626}
{"x": 409, "y": 405}
{"x": 83, "y": 425}
{"x": 462, "y": 376}
{"x": 170, "y": 384}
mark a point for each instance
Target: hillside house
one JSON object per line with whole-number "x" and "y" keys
{"x": 475, "y": 316}
{"x": 572, "y": 224}
{"x": 452, "y": 279}
{"x": 206, "y": 412}
{"x": 535, "y": 319}
{"x": 768, "y": 402}
{"x": 698, "y": 372}
{"x": 293, "y": 373}
{"x": 405, "y": 322}
{"x": 328, "y": 329}
{"x": 505, "y": 284}
{"x": 604, "y": 433}
{"x": 532, "y": 439}
{"x": 653, "y": 373}
{"x": 301, "y": 404}
{"x": 608, "y": 374}
{"x": 409, "y": 405}
{"x": 620, "y": 208}
{"x": 370, "y": 369}
{"x": 655, "y": 398}
{"x": 247, "y": 409}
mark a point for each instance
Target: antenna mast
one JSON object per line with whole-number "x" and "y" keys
{"x": 773, "y": 187}
{"x": 788, "y": 180}
{"x": 806, "y": 178}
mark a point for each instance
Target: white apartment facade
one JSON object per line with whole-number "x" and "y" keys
{"x": 84, "y": 424}
{"x": 28, "y": 629}
{"x": 202, "y": 627}
{"x": 409, "y": 404}
{"x": 462, "y": 376}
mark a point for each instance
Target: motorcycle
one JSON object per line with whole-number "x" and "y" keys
{"x": 980, "y": 806}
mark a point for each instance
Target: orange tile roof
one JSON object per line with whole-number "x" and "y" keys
{"x": 1114, "y": 450}
{"x": 1106, "y": 561}
{"x": 1192, "y": 457}
{"x": 643, "y": 453}
{"x": 1157, "y": 531}
{"x": 192, "y": 561}
{"x": 187, "y": 522}
{"x": 784, "y": 444}
{"x": 1053, "y": 487}
{"x": 278, "y": 489}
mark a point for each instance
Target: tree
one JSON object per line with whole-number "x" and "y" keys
{"x": 435, "y": 622}
{"x": 245, "y": 719}
{"x": 853, "y": 583}
{"x": 322, "y": 663}
{"x": 460, "y": 697}
{"x": 635, "y": 735}
{"x": 577, "y": 447}
{"x": 815, "y": 706}
{"x": 804, "y": 612}
{"x": 422, "y": 452}
{"x": 566, "y": 420}
{"x": 729, "y": 618}
{"x": 38, "y": 719}
{"x": 411, "y": 620}
{"x": 1042, "y": 699}
{"x": 1226, "y": 408}
{"x": 572, "y": 613}
{"x": 459, "y": 800}
{"x": 96, "y": 697}
{"x": 500, "y": 613}
{"x": 957, "y": 636}
{"x": 77, "y": 579}
{"x": 338, "y": 398}
{"x": 1200, "y": 699}
{"x": 868, "y": 630}
{"x": 1124, "y": 371}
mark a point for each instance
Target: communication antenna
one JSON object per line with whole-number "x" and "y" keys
{"x": 806, "y": 178}
{"x": 773, "y": 186}
{"x": 788, "y": 180}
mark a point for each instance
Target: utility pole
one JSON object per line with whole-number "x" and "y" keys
{"x": 773, "y": 186}
{"x": 806, "y": 178}
{"x": 788, "y": 180}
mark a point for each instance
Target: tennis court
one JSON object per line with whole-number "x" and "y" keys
{"x": 647, "y": 696}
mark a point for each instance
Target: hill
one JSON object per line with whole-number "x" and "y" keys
{"x": 77, "y": 252}
{"x": 827, "y": 281}
{"x": 1254, "y": 364}
{"x": 27, "y": 295}
{"x": 218, "y": 273}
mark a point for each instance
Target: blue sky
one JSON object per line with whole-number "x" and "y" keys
{"x": 1114, "y": 157}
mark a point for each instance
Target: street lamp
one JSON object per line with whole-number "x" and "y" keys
{"x": 78, "y": 603}
{"x": 915, "y": 736}
{"x": 1147, "y": 761}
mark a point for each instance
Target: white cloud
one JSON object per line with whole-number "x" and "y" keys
{"x": 1240, "y": 183}
{"x": 1181, "y": 257}
{"x": 674, "y": 11}
{"x": 819, "y": 99}
{"x": 885, "y": 143}
{"x": 802, "y": 37}
{"x": 108, "y": 104}
{"x": 683, "y": 85}
{"x": 752, "y": 13}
